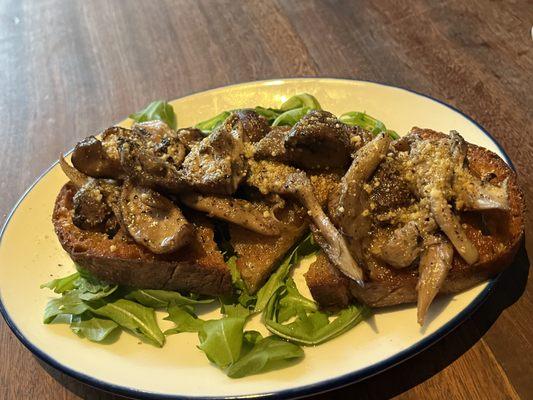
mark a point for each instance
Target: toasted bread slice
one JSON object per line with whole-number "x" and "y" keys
{"x": 258, "y": 255}
{"x": 197, "y": 268}
{"x": 387, "y": 286}
{"x": 327, "y": 284}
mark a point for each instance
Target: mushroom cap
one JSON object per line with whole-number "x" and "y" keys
{"x": 153, "y": 220}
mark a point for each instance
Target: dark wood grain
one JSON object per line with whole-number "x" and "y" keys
{"x": 70, "y": 68}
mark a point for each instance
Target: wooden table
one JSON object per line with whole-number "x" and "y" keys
{"x": 71, "y": 68}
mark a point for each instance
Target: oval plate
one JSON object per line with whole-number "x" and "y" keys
{"x": 30, "y": 255}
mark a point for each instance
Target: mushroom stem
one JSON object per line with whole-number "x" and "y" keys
{"x": 255, "y": 216}
{"x": 327, "y": 236}
{"x": 76, "y": 177}
{"x": 435, "y": 262}
{"x": 451, "y": 226}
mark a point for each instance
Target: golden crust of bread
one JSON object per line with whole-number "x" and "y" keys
{"x": 327, "y": 283}
{"x": 496, "y": 250}
{"x": 198, "y": 268}
{"x": 258, "y": 255}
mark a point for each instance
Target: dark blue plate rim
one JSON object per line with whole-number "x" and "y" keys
{"x": 315, "y": 388}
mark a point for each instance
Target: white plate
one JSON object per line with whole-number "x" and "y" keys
{"x": 30, "y": 255}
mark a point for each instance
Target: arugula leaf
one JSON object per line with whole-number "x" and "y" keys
{"x": 89, "y": 284}
{"x": 184, "y": 318}
{"x": 135, "y": 317}
{"x": 62, "y": 285}
{"x": 293, "y": 303}
{"x": 250, "y": 338}
{"x": 300, "y": 101}
{"x": 68, "y": 303}
{"x": 235, "y": 310}
{"x": 93, "y": 328}
{"x": 291, "y": 117}
{"x": 211, "y": 124}
{"x": 276, "y": 281}
{"x": 367, "y": 122}
{"x": 162, "y": 298}
{"x": 281, "y": 302}
{"x": 157, "y": 110}
{"x": 265, "y": 352}
{"x": 269, "y": 113}
{"x": 289, "y": 113}
{"x": 273, "y": 284}
{"x": 312, "y": 328}
{"x": 221, "y": 340}
{"x": 243, "y": 297}
{"x": 95, "y": 294}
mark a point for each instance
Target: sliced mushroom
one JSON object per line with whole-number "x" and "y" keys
{"x": 217, "y": 164}
{"x": 152, "y": 154}
{"x": 451, "y": 226}
{"x": 76, "y": 177}
{"x": 327, "y": 236}
{"x": 473, "y": 194}
{"x": 458, "y": 148}
{"x": 272, "y": 146}
{"x": 470, "y": 192}
{"x": 403, "y": 246}
{"x": 319, "y": 140}
{"x": 435, "y": 262}
{"x": 99, "y": 157}
{"x": 90, "y": 208}
{"x": 190, "y": 137}
{"x": 278, "y": 178}
{"x": 255, "y": 126}
{"x": 434, "y": 163}
{"x": 347, "y": 206}
{"x": 94, "y": 204}
{"x": 153, "y": 220}
{"x": 256, "y": 216}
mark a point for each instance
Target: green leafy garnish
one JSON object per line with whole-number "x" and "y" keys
{"x": 291, "y": 117}
{"x": 312, "y": 328}
{"x": 269, "y": 113}
{"x": 93, "y": 328}
{"x": 241, "y": 292}
{"x": 212, "y": 123}
{"x": 305, "y": 248}
{"x": 251, "y": 338}
{"x": 293, "y": 303}
{"x": 264, "y": 353}
{"x": 221, "y": 340}
{"x": 162, "y": 298}
{"x": 134, "y": 317}
{"x": 87, "y": 287}
{"x": 302, "y": 100}
{"x": 295, "y": 108}
{"x": 289, "y": 113}
{"x": 69, "y": 303}
{"x": 94, "y": 293}
{"x": 62, "y": 285}
{"x": 184, "y": 318}
{"x": 235, "y": 310}
{"x": 367, "y": 122}
{"x": 157, "y": 110}
{"x": 281, "y": 302}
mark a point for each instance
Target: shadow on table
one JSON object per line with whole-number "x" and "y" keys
{"x": 410, "y": 373}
